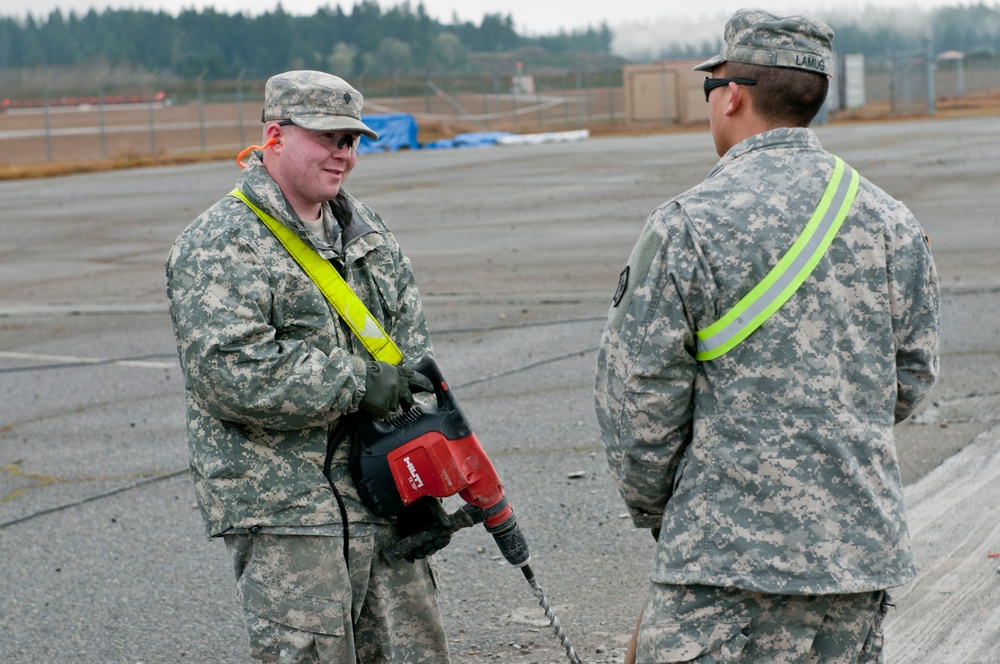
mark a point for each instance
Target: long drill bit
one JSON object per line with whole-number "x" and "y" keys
{"x": 550, "y": 614}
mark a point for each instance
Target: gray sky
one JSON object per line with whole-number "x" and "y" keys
{"x": 531, "y": 17}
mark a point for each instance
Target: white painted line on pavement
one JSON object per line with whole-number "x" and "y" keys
{"x": 145, "y": 364}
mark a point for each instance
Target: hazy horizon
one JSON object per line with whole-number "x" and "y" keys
{"x": 641, "y": 30}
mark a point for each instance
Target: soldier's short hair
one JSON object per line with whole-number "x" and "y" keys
{"x": 782, "y": 96}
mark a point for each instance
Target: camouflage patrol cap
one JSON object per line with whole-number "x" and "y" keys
{"x": 314, "y": 100}
{"x": 757, "y": 37}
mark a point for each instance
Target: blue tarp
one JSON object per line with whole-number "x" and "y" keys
{"x": 473, "y": 140}
{"x": 396, "y": 131}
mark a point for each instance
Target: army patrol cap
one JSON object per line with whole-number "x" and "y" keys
{"x": 757, "y": 37}
{"x": 314, "y": 100}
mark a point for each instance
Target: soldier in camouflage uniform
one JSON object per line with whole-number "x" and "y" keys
{"x": 270, "y": 368}
{"x": 768, "y": 474}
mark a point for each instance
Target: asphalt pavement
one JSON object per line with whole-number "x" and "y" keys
{"x": 517, "y": 250}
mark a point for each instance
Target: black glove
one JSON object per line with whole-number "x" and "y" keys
{"x": 424, "y": 517}
{"x": 388, "y": 387}
{"x": 425, "y": 528}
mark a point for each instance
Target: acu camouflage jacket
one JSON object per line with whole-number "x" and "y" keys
{"x": 773, "y": 467}
{"x": 268, "y": 365}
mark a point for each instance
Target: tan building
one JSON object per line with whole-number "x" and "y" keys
{"x": 665, "y": 93}
{"x": 671, "y": 93}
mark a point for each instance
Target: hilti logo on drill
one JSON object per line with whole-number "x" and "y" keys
{"x": 415, "y": 480}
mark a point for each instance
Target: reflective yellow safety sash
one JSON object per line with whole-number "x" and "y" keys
{"x": 334, "y": 288}
{"x": 784, "y": 278}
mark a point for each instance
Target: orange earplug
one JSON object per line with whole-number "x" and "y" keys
{"x": 271, "y": 141}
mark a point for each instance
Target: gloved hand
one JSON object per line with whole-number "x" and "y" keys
{"x": 425, "y": 517}
{"x": 388, "y": 387}
{"x": 429, "y": 548}
{"x": 425, "y": 528}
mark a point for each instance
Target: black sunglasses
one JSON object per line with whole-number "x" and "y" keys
{"x": 346, "y": 139}
{"x": 712, "y": 83}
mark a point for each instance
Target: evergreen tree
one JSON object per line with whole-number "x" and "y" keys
{"x": 404, "y": 38}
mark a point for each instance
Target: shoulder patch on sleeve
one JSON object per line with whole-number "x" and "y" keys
{"x": 622, "y": 286}
{"x": 632, "y": 276}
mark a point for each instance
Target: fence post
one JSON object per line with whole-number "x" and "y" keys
{"x": 100, "y": 117}
{"x": 930, "y": 76}
{"x": 579, "y": 100}
{"x": 486, "y": 102}
{"x": 513, "y": 90}
{"x": 496, "y": 100}
{"x": 960, "y": 77}
{"x": 239, "y": 105}
{"x": 152, "y": 122}
{"x": 48, "y": 126}
{"x": 565, "y": 104}
{"x": 666, "y": 96}
{"x": 611, "y": 102}
{"x": 201, "y": 107}
{"x": 590, "y": 103}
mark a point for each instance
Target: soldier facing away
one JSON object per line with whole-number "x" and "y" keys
{"x": 772, "y": 326}
{"x": 270, "y": 369}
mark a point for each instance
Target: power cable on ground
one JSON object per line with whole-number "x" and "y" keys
{"x": 525, "y": 367}
{"x": 83, "y": 501}
{"x": 161, "y": 356}
{"x": 148, "y": 480}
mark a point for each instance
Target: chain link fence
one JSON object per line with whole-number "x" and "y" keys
{"x": 91, "y": 114}
{"x": 84, "y": 115}
{"x": 917, "y": 82}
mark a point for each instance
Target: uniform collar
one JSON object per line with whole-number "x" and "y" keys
{"x": 256, "y": 183}
{"x": 783, "y": 137}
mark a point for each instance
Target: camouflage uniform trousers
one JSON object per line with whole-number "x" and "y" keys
{"x": 711, "y": 625}
{"x": 298, "y": 599}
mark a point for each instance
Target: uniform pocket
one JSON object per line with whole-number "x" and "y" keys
{"x": 871, "y": 651}
{"x": 301, "y": 611}
{"x": 683, "y": 641}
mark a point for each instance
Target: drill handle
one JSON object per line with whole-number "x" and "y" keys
{"x": 428, "y": 367}
{"x": 445, "y": 527}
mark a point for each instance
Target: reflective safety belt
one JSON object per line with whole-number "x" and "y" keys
{"x": 791, "y": 271}
{"x": 334, "y": 288}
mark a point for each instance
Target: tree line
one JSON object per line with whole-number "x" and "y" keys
{"x": 365, "y": 40}
{"x": 973, "y": 29}
{"x": 400, "y": 41}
